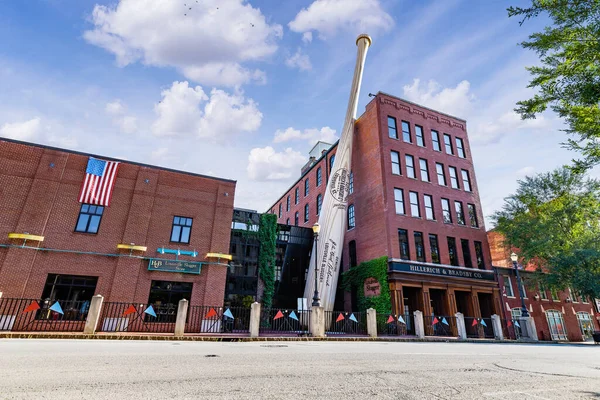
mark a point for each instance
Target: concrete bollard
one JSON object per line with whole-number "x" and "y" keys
{"x": 530, "y": 328}
{"x": 254, "y": 319}
{"x": 93, "y": 316}
{"x": 182, "y": 310}
{"x": 317, "y": 321}
{"x": 419, "y": 325}
{"x": 372, "y": 322}
{"x": 497, "y": 325}
{"x": 460, "y": 325}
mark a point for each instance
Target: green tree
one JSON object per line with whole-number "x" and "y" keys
{"x": 568, "y": 79}
{"x": 553, "y": 220}
{"x": 267, "y": 236}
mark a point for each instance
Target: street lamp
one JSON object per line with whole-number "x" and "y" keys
{"x": 316, "y": 228}
{"x": 514, "y": 258}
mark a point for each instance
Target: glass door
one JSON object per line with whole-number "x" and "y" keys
{"x": 556, "y": 325}
{"x": 585, "y": 324}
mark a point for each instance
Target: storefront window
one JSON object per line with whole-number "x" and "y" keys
{"x": 164, "y": 298}
{"x": 72, "y": 292}
{"x": 585, "y": 324}
{"x": 556, "y": 324}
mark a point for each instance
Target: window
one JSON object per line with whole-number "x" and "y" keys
{"x": 435, "y": 139}
{"x": 414, "y": 204}
{"x": 280, "y": 207}
{"x": 419, "y": 247}
{"x": 435, "y": 249}
{"x": 424, "y": 170}
{"x": 73, "y": 292}
{"x": 460, "y": 148}
{"x": 452, "y": 251}
{"x": 403, "y": 239}
{"x": 448, "y": 144}
{"x": 508, "y": 286}
{"x": 439, "y": 168}
{"x": 406, "y": 132}
{"x": 278, "y": 269}
{"x": 164, "y": 297}
{"x": 573, "y": 295}
{"x": 460, "y": 214}
{"x": 556, "y": 324}
{"x": 351, "y": 218}
{"x": 410, "y": 166}
{"x": 351, "y": 183}
{"x": 473, "y": 215}
{"x": 395, "y": 163}
{"x": 585, "y": 324}
{"x": 352, "y": 253}
{"x": 399, "y": 200}
{"x": 428, "y": 201}
{"x": 542, "y": 290}
{"x": 392, "y": 131}
{"x": 306, "y": 187}
{"x": 296, "y": 195}
{"x": 466, "y": 180}
{"x": 319, "y": 176}
{"x": 306, "y": 212}
{"x": 287, "y": 205}
{"x": 453, "y": 178}
{"x": 182, "y": 227}
{"x": 89, "y": 218}
{"x": 319, "y": 203}
{"x": 554, "y": 294}
{"x": 419, "y": 136}
{"x": 446, "y": 211}
{"x": 466, "y": 250}
{"x": 287, "y": 221}
{"x": 296, "y": 217}
{"x": 516, "y": 313}
{"x": 479, "y": 255}
{"x": 331, "y": 160}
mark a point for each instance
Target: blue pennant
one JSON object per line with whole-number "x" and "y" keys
{"x": 57, "y": 308}
{"x": 293, "y": 316}
{"x": 150, "y": 311}
{"x": 444, "y": 321}
{"x": 400, "y": 319}
{"x": 483, "y": 322}
{"x": 228, "y": 314}
{"x": 353, "y": 318}
{"x": 517, "y": 324}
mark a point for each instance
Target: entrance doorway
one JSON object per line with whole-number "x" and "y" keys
{"x": 413, "y": 300}
{"x": 486, "y": 304}
{"x": 438, "y": 302}
{"x": 464, "y": 305}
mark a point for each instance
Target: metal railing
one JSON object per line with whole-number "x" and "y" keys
{"x": 42, "y": 315}
{"x": 479, "y": 327}
{"x": 512, "y": 329}
{"x": 284, "y": 322}
{"x": 345, "y": 323}
{"x": 395, "y": 325}
{"x": 207, "y": 319}
{"x": 135, "y": 317}
{"x": 440, "y": 325}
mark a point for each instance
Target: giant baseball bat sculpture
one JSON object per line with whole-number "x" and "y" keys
{"x": 333, "y": 217}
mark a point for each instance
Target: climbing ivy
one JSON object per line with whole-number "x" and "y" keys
{"x": 355, "y": 277}
{"x": 267, "y": 236}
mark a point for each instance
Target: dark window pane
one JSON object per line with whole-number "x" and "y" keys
{"x": 392, "y": 131}
{"x": 419, "y": 247}
{"x": 466, "y": 249}
{"x": 406, "y": 136}
{"x": 175, "y": 234}
{"x": 435, "y": 139}
{"x": 452, "y": 251}
{"x": 435, "y": 250}
{"x": 479, "y": 255}
{"x": 82, "y": 222}
{"x": 403, "y": 239}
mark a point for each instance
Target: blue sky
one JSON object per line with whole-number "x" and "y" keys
{"x": 243, "y": 89}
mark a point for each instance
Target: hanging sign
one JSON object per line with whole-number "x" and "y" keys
{"x": 453, "y": 272}
{"x": 372, "y": 287}
{"x": 184, "y": 267}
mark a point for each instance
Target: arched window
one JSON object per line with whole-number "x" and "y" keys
{"x": 585, "y": 324}
{"x": 556, "y": 323}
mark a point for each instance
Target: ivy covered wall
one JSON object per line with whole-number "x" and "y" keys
{"x": 355, "y": 278}
{"x": 267, "y": 236}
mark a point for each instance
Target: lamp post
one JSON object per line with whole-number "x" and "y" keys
{"x": 316, "y": 228}
{"x": 514, "y": 258}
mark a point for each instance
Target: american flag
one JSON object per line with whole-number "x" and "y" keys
{"x": 99, "y": 181}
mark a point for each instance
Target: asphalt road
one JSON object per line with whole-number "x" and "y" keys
{"x": 102, "y": 369}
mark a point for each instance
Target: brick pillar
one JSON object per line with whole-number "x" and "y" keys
{"x": 372, "y": 322}
{"x": 460, "y": 325}
{"x": 419, "y": 325}
{"x": 254, "y": 319}
{"x": 182, "y": 310}
{"x": 93, "y": 316}
{"x": 497, "y": 324}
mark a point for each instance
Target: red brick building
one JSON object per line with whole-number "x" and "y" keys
{"x": 413, "y": 198}
{"x": 163, "y": 210}
{"x": 558, "y": 315}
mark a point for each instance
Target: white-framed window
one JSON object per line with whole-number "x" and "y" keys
{"x": 392, "y": 131}
{"x": 395, "y": 162}
{"x": 516, "y": 313}
{"x": 466, "y": 180}
{"x": 585, "y": 324}
{"x": 429, "y": 212}
{"x": 542, "y": 291}
{"x": 453, "y": 178}
{"x": 554, "y": 294}
{"x": 508, "y": 289}
{"x": 406, "y": 136}
{"x": 424, "y": 170}
{"x": 448, "y": 144}
{"x": 435, "y": 140}
{"x": 415, "y": 210}
{"x": 410, "y": 166}
{"x": 399, "y": 201}
{"x": 439, "y": 168}
{"x": 460, "y": 148}
{"x": 419, "y": 136}
{"x": 556, "y": 324}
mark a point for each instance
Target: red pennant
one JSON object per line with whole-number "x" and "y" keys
{"x": 211, "y": 313}
{"x": 474, "y": 322}
{"x": 278, "y": 315}
{"x": 130, "y": 310}
{"x": 390, "y": 319}
{"x": 32, "y": 307}
{"x": 509, "y": 323}
{"x": 435, "y": 320}
{"x": 339, "y": 318}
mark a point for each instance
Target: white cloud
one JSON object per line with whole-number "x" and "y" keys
{"x": 325, "y": 134}
{"x": 299, "y": 60}
{"x": 265, "y": 164}
{"x": 27, "y": 130}
{"x": 117, "y": 110}
{"x": 492, "y": 130}
{"x": 456, "y": 101}
{"x": 186, "y": 110}
{"x": 327, "y": 17}
{"x": 207, "y": 40}
{"x": 307, "y": 37}
{"x": 525, "y": 171}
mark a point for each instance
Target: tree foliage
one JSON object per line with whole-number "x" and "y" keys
{"x": 553, "y": 221}
{"x": 568, "y": 79}
{"x": 267, "y": 236}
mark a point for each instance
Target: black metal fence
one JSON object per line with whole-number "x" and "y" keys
{"x": 512, "y": 329}
{"x": 440, "y": 325}
{"x": 134, "y": 317}
{"x": 395, "y": 325}
{"x": 479, "y": 327}
{"x": 206, "y": 319}
{"x": 42, "y": 315}
{"x": 284, "y": 322}
{"x": 345, "y": 323}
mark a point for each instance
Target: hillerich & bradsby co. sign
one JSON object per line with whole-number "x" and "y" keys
{"x": 442, "y": 271}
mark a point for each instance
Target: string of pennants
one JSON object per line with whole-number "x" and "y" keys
{"x": 34, "y": 306}
{"x": 509, "y": 324}
{"x": 293, "y": 316}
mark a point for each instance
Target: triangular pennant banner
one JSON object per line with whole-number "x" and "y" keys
{"x": 435, "y": 320}
{"x": 509, "y": 323}
{"x": 390, "y": 319}
{"x": 474, "y": 322}
{"x": 278, "y": 315}
{"x": 293, "y": 315}
{"x": 353, "y": 318}
{"x": 32, "y": 307}
{"x": 228, "y": 314}
{"x": 340, "y": 318}
{"x": 517, "y": 324}
{"x": 211, "y": 313}
{"x": 444, "y": 321}
{"x": 400, "y": 319}
{"x": 150, "y": 311}
{"x": 57, "y": 308}
{"x": 483, "y": 322}
{"x": 130, "y": 310}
